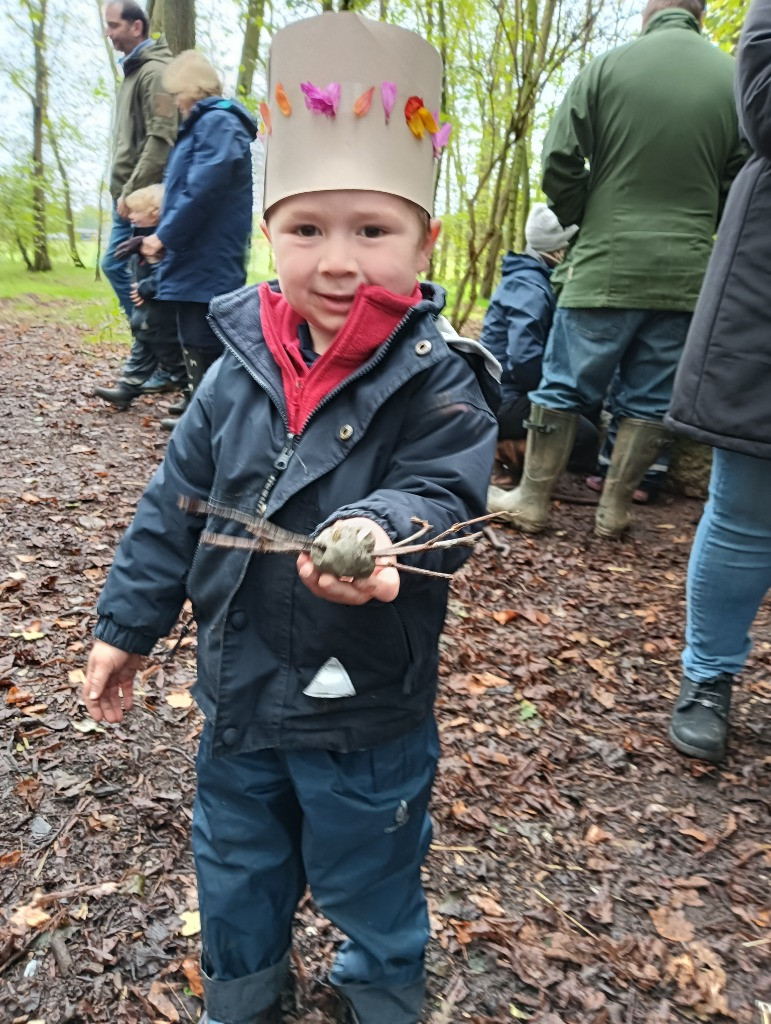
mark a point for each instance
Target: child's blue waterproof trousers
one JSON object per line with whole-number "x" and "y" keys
{"x": 355, "y": 828}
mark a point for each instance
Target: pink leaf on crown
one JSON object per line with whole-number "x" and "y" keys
{"x": 322, "y": 101}
{"x": 388, "y": 93}
{"x": 442, "y": 137}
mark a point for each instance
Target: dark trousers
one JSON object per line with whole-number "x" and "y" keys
{"x": 355, "y": 828}
{"x": 194, "y": 329}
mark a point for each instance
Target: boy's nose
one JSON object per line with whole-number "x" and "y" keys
{"x": 337, "y": 258}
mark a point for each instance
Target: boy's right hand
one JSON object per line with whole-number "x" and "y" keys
{"x": 109, "y": 687}
{"x": 135, "y": 296}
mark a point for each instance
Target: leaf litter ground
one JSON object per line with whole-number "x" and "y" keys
{"x": 581, "y": 872}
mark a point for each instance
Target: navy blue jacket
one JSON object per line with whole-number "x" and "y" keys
{"x": 518, "y": 319}
{"x": 206, "y": 219}
{"x": 409, "y": 435}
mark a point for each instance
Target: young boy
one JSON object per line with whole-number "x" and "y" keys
{"x": 338, "y": 398}
{"x": 155, "y": 349}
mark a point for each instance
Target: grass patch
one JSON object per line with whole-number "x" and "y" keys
{"x": 72, "y": 295}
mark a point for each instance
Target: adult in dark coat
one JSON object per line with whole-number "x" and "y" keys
{"x": 721, "y": 398}
{"x": 206, "y": 220}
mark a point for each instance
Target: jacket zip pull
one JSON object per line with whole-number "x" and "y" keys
{"x": 280, "y": 463}
{"x": 286, "y": 453}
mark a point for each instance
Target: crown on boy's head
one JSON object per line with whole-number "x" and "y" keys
{"x": 352, "y": 104}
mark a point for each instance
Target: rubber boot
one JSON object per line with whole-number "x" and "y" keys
{"x": 699, "y": 725}
{"x": 550, "y": 437}
{"x": 197, "y": 363}
{"x": 122, "y": 395}
{"x": 638, "y": 442}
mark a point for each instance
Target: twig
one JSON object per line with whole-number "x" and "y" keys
{"x": 61, "y": 956}
{"x": 567, "y": 916}
{"x": 174, "y": 995}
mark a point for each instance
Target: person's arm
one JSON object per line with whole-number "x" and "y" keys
{"x": 440, "y": 468}
{"x": 218, "y": 145}
{"x": 753, "y": 77}
{"x": 160, "y": 131}
{"x": 145, "y": 588}
{"x": 567, "y": 149}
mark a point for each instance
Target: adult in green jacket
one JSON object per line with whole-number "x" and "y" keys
{"x": 640, "y": 154}
{"x": 144, "y": 127}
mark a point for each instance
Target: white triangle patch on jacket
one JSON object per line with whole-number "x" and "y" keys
{"x": 330, "y": 681}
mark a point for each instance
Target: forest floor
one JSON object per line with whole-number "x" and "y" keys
{"x": 581, "y": 872}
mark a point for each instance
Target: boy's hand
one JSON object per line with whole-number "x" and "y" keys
{"x": 382, "y": 585}
{"x": 136, "y": 298}
{"x": 109, "y": 687}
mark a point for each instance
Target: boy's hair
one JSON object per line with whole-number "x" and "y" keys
{"x": 148, "y": 199}
{"x": 191, "y": 76}
{"x": 132, "y": 12}
{"x": 694, "y": 7}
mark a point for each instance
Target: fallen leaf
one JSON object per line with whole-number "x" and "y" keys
{"x": 179, "y": 699}
{"x": 672, "y": 924}
{"x": 191, "y": 923}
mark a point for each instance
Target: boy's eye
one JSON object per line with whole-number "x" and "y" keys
{"x": 372, "y": 231}
{"x": 306, "y": 230}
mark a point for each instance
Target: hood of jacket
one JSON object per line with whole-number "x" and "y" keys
{"x": 157, "y": 52}
{"x": 210, "y": 103}
{"x": 519, "y": 262}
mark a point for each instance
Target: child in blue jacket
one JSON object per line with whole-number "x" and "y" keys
{"x": 515, "y": 330}
{"x": 342, "y": 396}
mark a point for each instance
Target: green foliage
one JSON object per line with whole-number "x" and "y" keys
{"x": 724, "y": 21}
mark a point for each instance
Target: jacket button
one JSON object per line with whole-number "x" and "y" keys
{"x": 238, "y": 620}
{"x": 229, "y": 737}
{"x": 346, "y": 432}
{"x": 423, "y": 347}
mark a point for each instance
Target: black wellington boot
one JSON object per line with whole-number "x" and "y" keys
{"x": 699, "y": 724}
{"x": 197, "y": 363}
{"x": 121, "y": 396}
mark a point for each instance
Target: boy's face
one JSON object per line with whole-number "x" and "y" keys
{"x": 143, "y": 218}
{"x": 326, "y": 244}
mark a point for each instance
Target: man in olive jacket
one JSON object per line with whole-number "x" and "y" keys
{"x": 144, "y": 127}
{"x": 640, "y": 155}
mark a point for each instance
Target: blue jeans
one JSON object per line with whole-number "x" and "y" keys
{"x": 729, "y": 571}
{"x": 355, "y": 828}
{"x": 117, "y": 271}
{"x": 586, "y": 345}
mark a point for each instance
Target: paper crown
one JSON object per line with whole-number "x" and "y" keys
{"x": 352, "y": 104}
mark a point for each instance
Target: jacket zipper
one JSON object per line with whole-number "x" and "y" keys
{"x": 291, "y": 441}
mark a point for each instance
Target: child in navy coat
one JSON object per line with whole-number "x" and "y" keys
{"x": 342, "y": 397}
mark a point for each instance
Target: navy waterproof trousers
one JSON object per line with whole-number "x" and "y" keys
{"x": 355, "y": 828}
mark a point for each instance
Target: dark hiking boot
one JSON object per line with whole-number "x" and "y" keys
{"x": 161, "y": 382}
{"x": 179, "y": 407}
{"x": 699, "y": 725}
{"x": 121, "y": 396}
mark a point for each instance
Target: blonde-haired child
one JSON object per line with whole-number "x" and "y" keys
{"x": 156, "y": 353}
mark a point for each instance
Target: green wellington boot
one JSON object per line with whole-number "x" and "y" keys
{"x": 638, "y": 442}
{"x": 550, "y": 437}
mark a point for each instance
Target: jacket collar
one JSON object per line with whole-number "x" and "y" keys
{"x": 673, "y": 17}
{"x": 219, "y": 103}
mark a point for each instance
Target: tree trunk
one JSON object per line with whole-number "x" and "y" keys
{"x": 179, "y": 25}
{"x": 23, "y": 251}
{"x": 68, "y": 216}
{"x": 255, "y": 14}
{"x": 37, "y": 16}
{"x": 156, "y": 16}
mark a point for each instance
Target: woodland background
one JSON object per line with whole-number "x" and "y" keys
{"x": 507, "y": 64}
